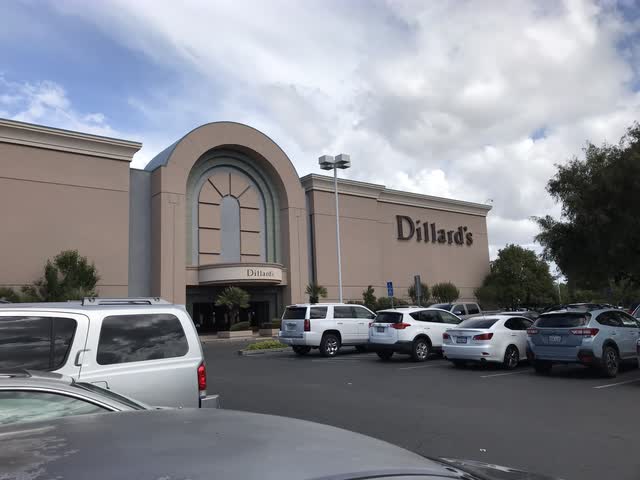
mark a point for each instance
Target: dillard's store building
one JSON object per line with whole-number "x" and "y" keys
{"x": 221, "y": 206}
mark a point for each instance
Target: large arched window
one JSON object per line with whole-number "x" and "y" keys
{"x": 230, "y": 219}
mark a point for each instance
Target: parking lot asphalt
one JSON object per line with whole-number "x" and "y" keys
{"x": 572, "y": 424}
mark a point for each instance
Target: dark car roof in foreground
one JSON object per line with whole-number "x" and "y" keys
{"x": 199, "y": 444}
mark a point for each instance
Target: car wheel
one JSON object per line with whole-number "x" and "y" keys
{"x": 542, "y": 367}
{"x": 420, "y": 350}
{"x": 459, "y": 363}
{"x": 610, "y": 362}
{"x": 329, "y": 345}
{"x": 511, "y": 357}
{"x": 301, "y": 349}
{"x": 385, "y": 355}
{"x": 361, "y": 348}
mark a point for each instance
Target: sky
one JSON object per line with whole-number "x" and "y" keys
{"x": 473, "y": 100}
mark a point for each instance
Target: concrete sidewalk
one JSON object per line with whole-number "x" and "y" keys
{"x": 215, "y": 339}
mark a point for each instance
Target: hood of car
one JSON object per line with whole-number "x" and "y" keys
{"x": 488, "y": 471}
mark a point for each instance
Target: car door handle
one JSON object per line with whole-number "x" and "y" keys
{"x": 339, "y": 323}
{"x": 79, "y": 357}
{"x": 360, "y": 323}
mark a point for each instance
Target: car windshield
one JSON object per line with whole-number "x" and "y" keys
{"x": 388, "y": 317}
{"x": 294, "y": 313}
{"x": 477, "y": 323}
{"x": 562, "y": 320}
{"x": 110, "y": 394}
{"x": 443, "y": 306}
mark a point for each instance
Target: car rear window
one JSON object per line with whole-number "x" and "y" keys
{"x": 35, "y": 343}
{"x": 294, "y": 313}
{"x": 388, "y": 317}
{"x": 478, "y": 323}
{"x": 561, "y": 320}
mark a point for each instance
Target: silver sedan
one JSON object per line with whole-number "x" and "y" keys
{"x": 27, "y": 396}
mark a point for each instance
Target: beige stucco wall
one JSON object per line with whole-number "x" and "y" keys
{"x": 372, "y": 254}
{"x": 54, "y": 200}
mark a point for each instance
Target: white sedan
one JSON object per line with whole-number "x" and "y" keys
{"x": 496, "y": 338}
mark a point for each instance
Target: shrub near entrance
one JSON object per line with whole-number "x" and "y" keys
{"x": 266, "y": 345}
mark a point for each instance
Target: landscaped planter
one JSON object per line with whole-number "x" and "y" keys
{"x": 269, "y": 332}
{"x": 236, "y": 334}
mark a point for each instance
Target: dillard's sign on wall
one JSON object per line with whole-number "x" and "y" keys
{"x": 429, "y": 232}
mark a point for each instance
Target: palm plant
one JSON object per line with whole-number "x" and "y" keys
{"x": 234, "y": 298}
{"x": 315, "y": 292}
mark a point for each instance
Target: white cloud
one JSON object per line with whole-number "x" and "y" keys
{"x": 436, "y": 97}
{"x": 47, "y": 103}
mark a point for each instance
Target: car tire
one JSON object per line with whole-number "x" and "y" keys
{"x": 361, "y": 348}
{"x": 420, "y": 349}
{"x": 385, "y": 355}
{"x": 511, "y": 357}
{"x": 329, "y": 345}
{"x": 301, "y": 349}
{"x": 610, "y": 362}
{"x": 542, "y": 367}
{"x": 459, "y": 363}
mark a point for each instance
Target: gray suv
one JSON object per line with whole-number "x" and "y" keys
{"x": 599, "y": 338}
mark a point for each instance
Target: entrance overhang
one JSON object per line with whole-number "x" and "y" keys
{"x": 238, "y": 273}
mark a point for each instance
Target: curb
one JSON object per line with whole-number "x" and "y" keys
{"x": 249, "y": 353}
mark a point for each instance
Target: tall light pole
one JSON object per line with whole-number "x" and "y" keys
{"x": 327, "y": 162}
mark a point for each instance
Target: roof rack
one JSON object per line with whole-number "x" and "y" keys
{"x": 89, "y": 301}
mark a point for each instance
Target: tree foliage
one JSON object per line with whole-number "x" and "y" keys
{"x": 234, "y": 298}
{"x": 69, "y": 276}
{"x": 369, "y": 298}
{"x": 384, "y": 303}
{"x": 596, "y": 243}
{"x": 445, "y": 292}
{"x": 518, "y": 278}
{"x": 425, "y": 293}
{"x": 315, "y": 292}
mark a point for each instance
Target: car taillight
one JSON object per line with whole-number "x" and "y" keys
{"x": 532, "y": 331}
{"x": 585, "y": 332}
{"x": 307, "y": 325}
{"x": 483, "y": 336}
{"x": 400, "y": 326}
{"x": 445, "y": 336}
{"x": 202, "y": 377}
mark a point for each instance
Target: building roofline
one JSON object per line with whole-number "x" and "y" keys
{"x": 313, "y": 181}
{"x": 50, "y": 138}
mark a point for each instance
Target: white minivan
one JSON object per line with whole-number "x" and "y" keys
{"x": 146, "y": 349}
{"x": 326, "y": 326}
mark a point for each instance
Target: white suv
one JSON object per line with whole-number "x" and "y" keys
{"x": 325, "y": 326}
{"x": 145, "y": 348}
{"x": 414, "y": 331}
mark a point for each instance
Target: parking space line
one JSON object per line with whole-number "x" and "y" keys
{"x": 504, "y": 374}
{"x": 618, "y": 383}
{"x": 419, "y": 366}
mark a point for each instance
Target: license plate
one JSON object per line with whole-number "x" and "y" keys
{"x": 555, "y": 339}
{"x": 380, "y": 329}
{"x": 291, "y": 326}
{"x": 461, "y": 339}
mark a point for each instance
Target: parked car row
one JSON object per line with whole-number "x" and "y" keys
{"x": 586, "y": 334}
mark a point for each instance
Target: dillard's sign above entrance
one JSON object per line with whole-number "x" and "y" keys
{"x": 425, "y": 232}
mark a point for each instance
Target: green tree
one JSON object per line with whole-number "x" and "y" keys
{"x": 69, "y": 276}
{"x": 425, "y": 293}
{"x": 369, "y": 298}
{"x": 596, "y": 243}
{"x": 384, "y": 303}
{"x": 445, "y": 292}
{"x": 315, "y": 292}
{"x": 518, "y": 278}
{"x": 9, "y": 295}
{"x": 234, "y": 298}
